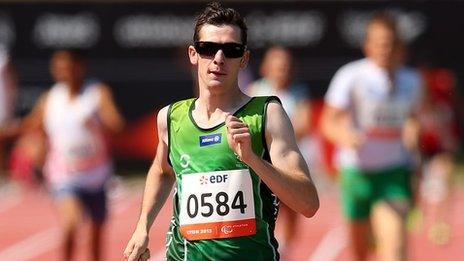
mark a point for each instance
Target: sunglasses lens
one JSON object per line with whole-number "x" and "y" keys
{"x": 206, "y": 48}
{"x": 231, "y": 50}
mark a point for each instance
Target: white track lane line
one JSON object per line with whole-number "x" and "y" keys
{"x": 49, "y": 239}
{"x": 331, "y": 245}
{"x": 32, "y": 246}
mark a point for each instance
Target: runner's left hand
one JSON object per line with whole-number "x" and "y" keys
{"x": 239, "y": 137}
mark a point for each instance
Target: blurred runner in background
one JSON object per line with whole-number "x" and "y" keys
{"x": 370, "y": 113}
{"x": 75, "y": 114}
{"x": 7, "y": 101}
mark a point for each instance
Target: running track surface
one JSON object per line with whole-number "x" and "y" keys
{"x": 29, "y": 228}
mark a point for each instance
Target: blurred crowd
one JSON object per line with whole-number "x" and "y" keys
{"x": 409, "y": 126}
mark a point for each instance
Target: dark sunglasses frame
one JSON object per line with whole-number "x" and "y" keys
{"x": 231, "y": 50}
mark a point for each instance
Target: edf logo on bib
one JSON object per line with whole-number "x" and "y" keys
{"x": 218, "y": 178}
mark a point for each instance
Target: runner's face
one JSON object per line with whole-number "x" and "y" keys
{"x": 217, "y": 72}
{"x": 65, "y": 69}
{"x": 380, "y": 45}
{"x": 279, "y": 68}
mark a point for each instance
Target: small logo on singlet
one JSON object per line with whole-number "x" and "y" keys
{"x": 210, "y": 139}
{"x": 184, "y": 160}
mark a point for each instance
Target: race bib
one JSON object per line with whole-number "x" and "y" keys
{"x": 217, "y": 204}
{"x": 385, "y": 120}
{"x": 81, "y": 153}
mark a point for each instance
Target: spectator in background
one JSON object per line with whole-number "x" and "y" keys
{"x": 7, "y": 98}
{"x": 370, "y": 111}
{"x": 440, "y": 141}
{"x": 74, "y": 115}
{"x": 277, "y": 71}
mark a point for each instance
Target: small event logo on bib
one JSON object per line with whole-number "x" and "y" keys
{"x": 210, "y": 139}
{"x": 227, "y": 229}
{"x": 203, "y": 180}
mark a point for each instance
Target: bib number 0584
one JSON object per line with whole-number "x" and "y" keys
{"x": 207, "y": 204}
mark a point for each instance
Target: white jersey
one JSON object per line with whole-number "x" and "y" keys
{"x": 77, "y": 151}
{"x": 378, "y": 108}
{"x": 6, "y": 109}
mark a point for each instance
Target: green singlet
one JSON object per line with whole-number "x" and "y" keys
{"x": 222, "y": 210}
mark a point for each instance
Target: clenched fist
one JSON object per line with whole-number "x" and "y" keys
{"x": 239, "y": 137}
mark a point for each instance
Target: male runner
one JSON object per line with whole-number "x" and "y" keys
{"x": 217, "y": 150}
{"x": 75, "y": 115}
{"x": 369, "y": 115}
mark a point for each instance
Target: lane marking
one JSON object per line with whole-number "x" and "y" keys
{"x": 49, "y": 239}
{"x": 32, "y": 246}
{"x": 331, "y": 245}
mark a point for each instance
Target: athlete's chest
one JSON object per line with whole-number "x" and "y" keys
{"x": 193, "y": 152}
{"x": 379, "y": 102}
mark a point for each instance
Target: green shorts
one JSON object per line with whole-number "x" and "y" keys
{"x": 361, "y": 189}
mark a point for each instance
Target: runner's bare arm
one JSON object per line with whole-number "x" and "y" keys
{"x": 158, "y": 185}
{"x": 33, "y": 121}
{"x": 108, "y": 111}
{"x": 288, "y": 175}
{"x": 412, "y": 126}
{"x": 410, "y": 134}
{"x": 336, "y": 127}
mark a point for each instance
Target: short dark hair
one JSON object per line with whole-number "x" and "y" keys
{"x": 216, "y": 14}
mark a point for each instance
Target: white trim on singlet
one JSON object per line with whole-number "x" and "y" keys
{"x": 169, "y": 234}
{"x": 269, "y": 241}
{"x": 185, "y": 249}
{"x": 267, "y": 225}
{"x": 261, "y": 215}
{"x": 259, "y": 192}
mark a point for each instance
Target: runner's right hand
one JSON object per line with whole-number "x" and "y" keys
{"x": 351, "y": 139}
{"x": 137, "y": 248}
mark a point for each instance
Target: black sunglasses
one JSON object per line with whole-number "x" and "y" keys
{"x": 231, "y": 50}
